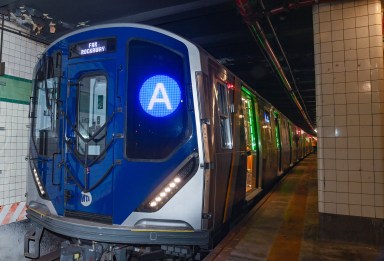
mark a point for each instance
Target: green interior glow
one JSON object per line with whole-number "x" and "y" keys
{"x": 252, "y": 120}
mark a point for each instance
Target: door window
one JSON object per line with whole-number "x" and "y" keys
{"x": 92, "y": 109}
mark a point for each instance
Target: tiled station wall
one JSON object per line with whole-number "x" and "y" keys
{"x": 348, "y": 44}
{"x": 20, "y": 55}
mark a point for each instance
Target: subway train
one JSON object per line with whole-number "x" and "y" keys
{"x": 144, "y": 147}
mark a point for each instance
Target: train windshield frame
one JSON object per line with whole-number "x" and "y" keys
{"x": 157, "y": 103}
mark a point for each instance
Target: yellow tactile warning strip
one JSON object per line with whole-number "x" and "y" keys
{"x": 288, "y": 240}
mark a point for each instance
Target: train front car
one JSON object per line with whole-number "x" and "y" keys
{"x": 114, "y": 149}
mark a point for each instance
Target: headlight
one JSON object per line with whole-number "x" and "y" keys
{"x": 38, "y": 182}
{"x": 174, "y": 184}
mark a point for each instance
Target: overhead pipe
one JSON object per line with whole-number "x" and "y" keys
{"x": 246, "y": 10}
{"x": 285, "y": 58}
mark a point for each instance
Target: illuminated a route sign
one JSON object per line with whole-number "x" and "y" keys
{"x": 160, "y": 95}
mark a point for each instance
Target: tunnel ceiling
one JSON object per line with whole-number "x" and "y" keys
{"x": 216, "y": 25}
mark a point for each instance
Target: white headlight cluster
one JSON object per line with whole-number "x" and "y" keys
{"x": 38, "y": 182}
{"x": 165, "y": 191}
{"x": 170, "y": 188}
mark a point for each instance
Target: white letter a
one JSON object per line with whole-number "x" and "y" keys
{"x": 163, "y": 99}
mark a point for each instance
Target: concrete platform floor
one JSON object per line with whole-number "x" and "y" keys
{"x": 285, "y": 227}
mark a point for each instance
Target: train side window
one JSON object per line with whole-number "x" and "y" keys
{"x": 92, "y": 113}
{"x": 225, "y": 124}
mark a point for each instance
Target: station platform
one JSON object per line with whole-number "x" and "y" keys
{"x": 284, "y": 226}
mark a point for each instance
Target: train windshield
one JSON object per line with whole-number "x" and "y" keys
{"x": 44, "y": 123}
{"x": 157, "y": 118}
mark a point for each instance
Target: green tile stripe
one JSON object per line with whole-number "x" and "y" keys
{"x": 14, "y": 89}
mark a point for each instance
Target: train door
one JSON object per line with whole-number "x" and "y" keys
{"x": 253, "y": 181}
{"x": 278, "y": 143}
{"x": 299, "y": 144}
{"x": 268, "y": 146}
{"x": 291, "y": 145}
{"x": 285, "y": 143}
{"x": 220, "y": 124}
{"x": 89, "y": 134}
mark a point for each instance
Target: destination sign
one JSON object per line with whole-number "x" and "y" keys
{"x": 92, "y": 47}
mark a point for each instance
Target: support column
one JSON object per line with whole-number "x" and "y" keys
{"x": 348, "y": 44}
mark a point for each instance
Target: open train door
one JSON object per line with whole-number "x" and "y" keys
{"x": 89, "y": 139}
{"x": 253, "y": 178}
{"x": 278, "y": 143}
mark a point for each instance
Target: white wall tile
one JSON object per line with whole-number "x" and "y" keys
{"x": 367, "y": 199}
{"x": 330, "y": 207}
{"x": 340, "y": 121}
{"x": 379, "y": 188}
{"x": 375, "y": 41}
{"x": 355, "y": 210}
{"x": 326, "y": 57}
{"x": 368, "y": 211}
{"x": 342, "y": 175}
{"x": 324, "y": 17}
{"x": 361, "y": 11}
{"x": 368, "y": 188}
{"x": 342, "y": 187}
{"x": 337, "y": 46}
{"x": 366, "y": 154}
{"x": 341, "y": 165}
{"x": 354, "y": 176}
{"x": 374, "y": 8}
{"x": 342, "y": 209}
{"x": 349, "y": 12}
{"x": 342, "y": 198}
{"x": 349, "y": 23}
{"x": 379, "y": 200}
{"x": 374, "y": 19}
{"x": 378, "y": 165}
{"x": 333, "y": 6}
{"x": 366, "y": 120}
{"x": 350, "y": 34}
{"x": 340, "y": 143}
{"x": 361, "y": 21}
{"x": 379, "y": 212}
{"x": 379, "y": 177}
{"x": 374, "y": 52}
{"x": 329, "y": 196}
